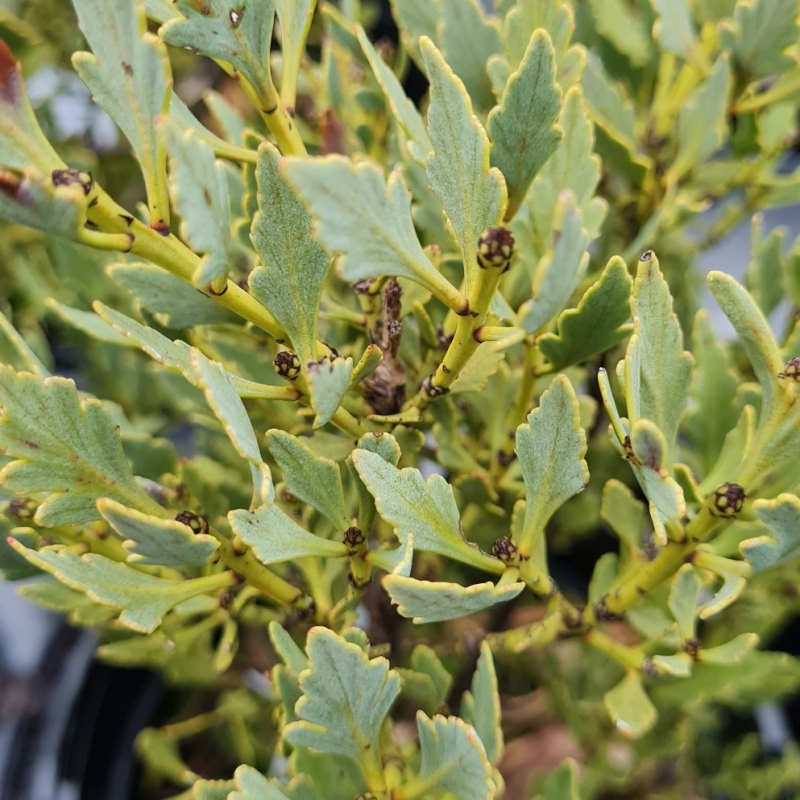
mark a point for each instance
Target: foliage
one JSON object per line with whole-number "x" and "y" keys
{"x": 410, "y": 347}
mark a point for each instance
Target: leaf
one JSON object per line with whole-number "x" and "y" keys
{"x": 365, "y": 219}
{"x": 22, "y": 143}
{"x": 384, "y": 444}
{"x": 416, "y": 18}
{"x": 293, "y": 657}
{"x": 754, "y": 333}
{"x": 483, "y": 702}
{"x": 664, "y": 494}
{"x": 156, "y": 541}
{"x": 426, "y": 509}
{"x": 624, "y": 513}
{"x": 229, "y": 409}
{"x": 290, "y": 282}
{"x": 679, "y": 665}
{"x": 310, "y": 478}
{"x": 434, "y": 601}
{"x": 89, "y": 323}
{"x": 63, "y": 448}
{"x": 480, "y": 367}
{"x": 128, "y": 75}
{"x": 295, "y": 20}
{"x": 761, "y": 32}
{"x": 674, "y": 28}
{"x": 404, "y": 111}
{"x": 629, "y": 707}
{"x": 782, "y": 517}
{"x": 35, "y": 202}
{"x": 560, "y": 270}
{"x": 463, "y": 21}
{"x": 173, "y": 302}
{"x": 551, "y": 447}
{"x": 274, "y": 536}
{"x": 684, "y": 594}
{"x": 252, "y": 785}
{"x": 714, "y": 410}
{"x": 702, "y": 122}
{"x": 764, "y": 276}
{"x": 345, "y": 698}
{"x": 472, "y": 193}
{"x": 732, "y": 652}
{"x": 239, "y": 33}
{"x": 603, "y": 575}
{"x": 143, "y": 599}
{"x": 562, "y": 783}
{"x": 199, "y": 191}
{"x": 624, "y": 27}
{"x": 427, "y": 681}
{"x": 453, "y": 762}
{"x": 522, "y": 128}
{"x": 660, "y": 373}
{"x": 328, "y": 382}
{"x": 597, "y": 324}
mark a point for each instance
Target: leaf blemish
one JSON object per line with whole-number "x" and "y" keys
{"x": 235, "y": 16}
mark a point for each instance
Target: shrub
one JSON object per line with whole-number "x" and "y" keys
{"x": 369, "y": 373}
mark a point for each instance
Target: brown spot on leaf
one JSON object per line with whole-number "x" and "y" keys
{"x": 235, "y": 16}
{"x": 127, "y": 68}
{"x": 332, "y": 133}
{"x": 69, "y": 177}
{"x": 11, "y": 185}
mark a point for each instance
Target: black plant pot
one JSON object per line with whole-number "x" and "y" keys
{"x": 67, "y": 728}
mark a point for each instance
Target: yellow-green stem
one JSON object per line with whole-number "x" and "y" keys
{"x": 631, "y": 658}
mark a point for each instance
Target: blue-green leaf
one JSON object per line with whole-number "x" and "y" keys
{"x": 154, "y": 540}
{"x": 629, "y": 707}
{"x": 782, "y": 517}
{"x": 252, "y": 785}
{"x": 434, "y": 601}
{"x": 482, "y": 704}
{"x": 128, "y": 75}
{"x": 522, "y": 128}
{"x": 684, "y": 594}
{"x": 345, "y": 698}
{"x": 472, "y": 193}
{"x": 274, "y": 536}
{"x": 290, "y": 282}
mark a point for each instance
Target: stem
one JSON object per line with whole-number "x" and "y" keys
{"x": 537, "y": 633}
{"x": 627, "y": 657}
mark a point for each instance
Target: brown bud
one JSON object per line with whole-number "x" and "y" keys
{"x": 197, "y": 522}
{"x": 791, "y": 370}
{"x": 495, "y": 248}
{"x": 504, "y": 549}
{"x": 22, "y": 508}
{"x": 727, "y": 500}
{"x": 353, "y": 538}
{"x": 287, "y": 364}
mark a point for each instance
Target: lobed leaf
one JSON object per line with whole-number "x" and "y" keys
{"x": 153, "y": 540}
{"x": 143, "y": 599}
{"x": 290, "y": 281}
{"x": 252, "y": 785}
{"x": 311, "y": 478}
{"x": 365, "y": 219}
{"x": 551, "y": 447}
{"x": 472, "y": 193}
{"x": 62, "y": 447}
{"x": 200, "y": 194}
{"x": 239, "y": 33}
{"x": 462, "y": 22}
{"x": 598, "y": 323}
{"x": 434, "y": 601}
{"x": 345, "y": 698}
{"x": 453, "y": 761}
{"x": 482, "y": 703}
{"x": 782, "y": 517}
{"x": 658, "y": 373}
{"x": 275, "y": 537}
{"x": 128, "y": 74}
{"x": 522, "y": 128}
{"x": 425, "y": 509}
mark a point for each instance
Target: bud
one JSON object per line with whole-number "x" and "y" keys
{"x": 504, "y": 549}
{"x": 791, "y": 369}
{"x": 22, "y": 508}
{"x": 727, "y": 500}
{"x": 353, "y": 538}
{"x": 197, "y": 522}
{"x": 287, "y": 364}
{"x": 495, "y": 248}
{"x": 431, "y": 389}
